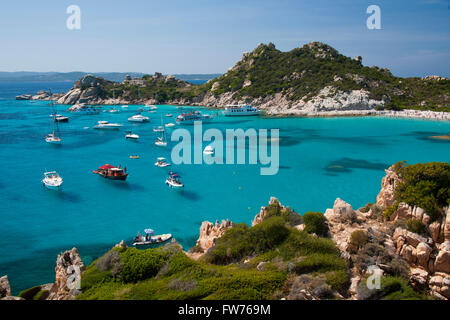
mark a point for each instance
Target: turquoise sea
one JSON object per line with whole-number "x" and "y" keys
{"x": 320, "y": 159}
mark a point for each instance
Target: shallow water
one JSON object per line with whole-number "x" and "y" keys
{"x": 320, "y": 159}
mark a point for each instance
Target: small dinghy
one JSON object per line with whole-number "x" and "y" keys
{"x": 158, "y": 129}
{"x": 173, "y": 181}
{"x": 134, "y": 157}
{"x": 105, "y": 125}
{"x": 162, "y": 162}
{"x": 169, "y": 115}
{"x": 168, "y": 125}
{"x": 131, "y": 135}
{"x": 52, "y": 180}
{"x": 138, "y": 118}
{"x": 208, "y": 150}
{"x": 150, "y": 238}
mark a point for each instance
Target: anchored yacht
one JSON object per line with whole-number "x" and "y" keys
{"x": 240, "y": 110}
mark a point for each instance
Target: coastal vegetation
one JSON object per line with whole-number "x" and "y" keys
{"x": 423, "y": 185}
{"x": 270, "y": 260}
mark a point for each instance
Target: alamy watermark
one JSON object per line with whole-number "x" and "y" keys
{"x": 374, "y": 20}
{"x": 74, "y": 279}
{"x": 73, "y": 22}
{"x": 257, "y": 147}
{"x": 374, "y": 280}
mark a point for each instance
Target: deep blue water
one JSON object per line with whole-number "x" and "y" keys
{"x": 320, "y": 159}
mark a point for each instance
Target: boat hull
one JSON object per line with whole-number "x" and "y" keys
{"x": 241, "y": 114}
{"x": 110, "y": 177}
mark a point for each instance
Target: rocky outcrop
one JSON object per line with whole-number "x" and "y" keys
{"x": 427, "y": 255}
{"x": 5, "y": 288}
{"x": 386, "y": 197}
{"x": 209, "y": 232}
{"x": 69, "y": 267}
{"x": 262, "y": 213}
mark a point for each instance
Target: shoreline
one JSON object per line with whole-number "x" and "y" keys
{"x": 403, "y": 114}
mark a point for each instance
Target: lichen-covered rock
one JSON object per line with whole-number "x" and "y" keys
{"x": 341, "y": 212}
{"x": 386, "y": 197}
{"x": 442, "y": 262}
{"x": 210, "y": 232}
{"x": 5, "y": 288}
{"x": 69, "y": 268}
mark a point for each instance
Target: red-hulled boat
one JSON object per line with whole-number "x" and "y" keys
{"x": 110, "y": 172}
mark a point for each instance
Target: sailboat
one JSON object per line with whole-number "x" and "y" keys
{"x": 161, "y": 141}
{"x": 54, "y": 137}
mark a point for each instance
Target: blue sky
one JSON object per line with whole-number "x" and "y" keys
{"x": 209, "y": 36}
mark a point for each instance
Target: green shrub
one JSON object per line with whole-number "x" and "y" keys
{"x": 424, "y": 185}
{"x": 29, "y": 294}
{"x": 318, "y": 262}
{"x": 241, "y": 241}
{"x": 416, "y": 226}
{"x": 93, "y": 276}
{"x": 389, "y": 211}
{"x": 140, "y": 264}
{"x": 315, "y": 223}
{"x": 392, "y": 288}
{"x": 338, "y": 280}
{"x": 41, "y": 295}
{"x": 358, "y": 238}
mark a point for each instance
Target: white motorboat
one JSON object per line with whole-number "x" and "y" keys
{"x": 131, "y": 135}
{"x": 59, "y": 118}
{"x": 142, "y": 241}
{"x": 138, "y": 118}
{"x": 162, "y": 162}
{"x": 152, "y": 107}
{"x": 208, "y": 150}
{"x": 169, "y": 115}
{"x": 173, "y": 181}
{"x": 52, "y": 180}
{"x": 170, "y": 124}
{"x": 114, "y": 110}
{"x": 241, "y": 110}
{"x": 105, "y": 125}
{"x": 151, "y": 111}
{"x": 124, "y": 106}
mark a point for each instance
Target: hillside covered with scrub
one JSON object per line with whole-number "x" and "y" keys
{"x": 404, "y": 237}
{"x": 312, "y": 78}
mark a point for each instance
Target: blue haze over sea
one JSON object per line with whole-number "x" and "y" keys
{"x": 320, "y": 159}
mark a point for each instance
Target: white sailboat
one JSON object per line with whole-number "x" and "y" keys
{"x": 54, "y": 137}
{"x": 161, "y": 141}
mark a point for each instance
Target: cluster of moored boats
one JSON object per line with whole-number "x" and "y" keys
{"x": 52, "y": 180}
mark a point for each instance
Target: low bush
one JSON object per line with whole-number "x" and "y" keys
{"x": 318, "y": 262}
{"x": 140, "y": 264}
{"x": 358, "y": 238}
{"x": 315, "y": 223}
{"x": 416, "y": 226}
{"x": 29, "y": 294}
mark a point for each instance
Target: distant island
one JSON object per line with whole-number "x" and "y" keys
{"x": 314, "y": 79}
{"x": 26, "y": 76}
